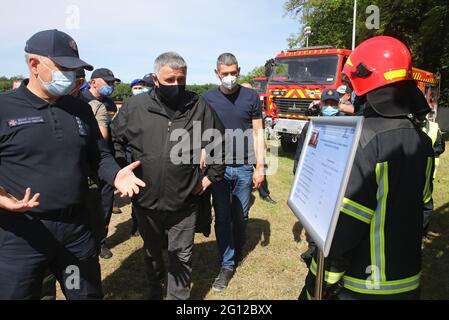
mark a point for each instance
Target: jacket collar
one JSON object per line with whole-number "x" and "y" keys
{"x": 32, "y": 99}
{"x": 157, "y": 106}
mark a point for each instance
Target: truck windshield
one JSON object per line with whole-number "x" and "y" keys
{"x": 320, "y": 69}
{"x": 260, "y": 86}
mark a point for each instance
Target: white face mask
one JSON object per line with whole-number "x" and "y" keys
{"x": 140, "y": 91}
{"x": 229, "y": 82}
{"x": 61, "y": 84}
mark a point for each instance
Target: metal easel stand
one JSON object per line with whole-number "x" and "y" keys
{"x": 319, "y": 276}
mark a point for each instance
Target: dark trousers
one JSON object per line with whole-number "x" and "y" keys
{"x": 154, "y": 226}
{"x": 263, "y": 189}
{"x": 428, "y": 211}
{"x": 31, "y": 246}
{"x": 49, "y": 287}
{"x": 134, "y": 218}
{"x": 107, "y": 202}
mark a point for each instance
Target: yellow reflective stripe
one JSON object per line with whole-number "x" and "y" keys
{"x": 329, "y": 277}
{"x": 382, "y": 287}
{"x": 358, "y": 206}
{"x": 349, "y": 62}
{"x": 377, "y": 234}
{"x": 309, "y": 296}
{"x": 432, "y": 129}
{"x": 357, "y": 210}
{"x": 437, "y": 164}
{"x": 427, "y": 195}
{"x": 382, "y": 224}
{"x": 392, "y": 75}
{"x": 301, "y": 94}
{"x": 355, "y": 215}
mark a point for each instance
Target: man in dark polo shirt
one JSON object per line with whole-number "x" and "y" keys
{"x": 49, "y": 143}
{"x": 101, "y": 86}
{"x": 240, "y": 111}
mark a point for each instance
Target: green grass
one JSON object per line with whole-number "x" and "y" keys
{"x": 271, "y": 269}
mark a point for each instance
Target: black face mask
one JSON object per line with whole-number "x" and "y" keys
{"x": 173, "y": 95}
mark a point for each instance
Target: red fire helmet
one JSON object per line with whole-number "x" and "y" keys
{"x": 377, "y": 62}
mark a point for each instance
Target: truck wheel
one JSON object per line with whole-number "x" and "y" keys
{"x": 288, "y": 146}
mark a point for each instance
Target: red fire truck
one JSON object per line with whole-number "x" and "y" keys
{"x": 297, "y": 77}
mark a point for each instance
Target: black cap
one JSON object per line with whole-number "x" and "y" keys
{"x": 398, "y": 99}
{"x": 148, "y": 79}
{"x": 59, "y": 47}
{"x": 330, "y": 94}
{"x": 104, "y": 74}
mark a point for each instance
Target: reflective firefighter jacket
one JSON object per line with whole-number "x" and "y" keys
{"x": 376, "y": 251}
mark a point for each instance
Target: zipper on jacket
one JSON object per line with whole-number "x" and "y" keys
{"x": 167, "y": 140}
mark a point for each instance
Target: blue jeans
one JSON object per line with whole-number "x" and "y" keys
{"x": 231, "y": 199}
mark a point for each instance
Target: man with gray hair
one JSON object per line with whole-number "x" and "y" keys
{"x": 240, "y": 111}
{"x": 151, "y": 124}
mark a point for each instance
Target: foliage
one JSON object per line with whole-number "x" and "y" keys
{"x": 200, "y": 89}
{"x": 6, "y": 83}
{"x": 122, "y": 91}
{"x": 256, "y": 72}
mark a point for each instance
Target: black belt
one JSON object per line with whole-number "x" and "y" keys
{"x": 63, "y": 214}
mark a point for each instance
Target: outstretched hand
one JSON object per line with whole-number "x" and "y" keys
{"x": 127, "y": 183}
{"x": 10, "y": 203}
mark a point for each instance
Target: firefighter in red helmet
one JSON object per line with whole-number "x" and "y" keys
{"x": 376, "y": 251}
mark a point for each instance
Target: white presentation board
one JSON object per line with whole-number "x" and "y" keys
{"x": 322, "y": 175}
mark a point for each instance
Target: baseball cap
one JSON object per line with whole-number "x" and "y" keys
{"x": 148, "y": 79}
{"x": 344, "y": 89}
{"x": 136, "y": 82}
{"x": 57, "y": 46}
{"x": 105, "y": 74}
{"x": 330, "y": 94}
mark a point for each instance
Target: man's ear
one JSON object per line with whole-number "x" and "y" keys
{"x": 156, "y": 80}
{"x": 217, "y": 74}
{"x": 239, "y": 72}
{"x": 33, "y": 63}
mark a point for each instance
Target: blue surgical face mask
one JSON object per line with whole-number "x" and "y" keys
{"x": 329, "y": 111}
{"x": 140, "y": 91}
{"x": 61, "y": 84}
{"x": 106, "y": 90}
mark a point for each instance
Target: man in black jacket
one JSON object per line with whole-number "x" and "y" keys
{"x": 164, "y": 129}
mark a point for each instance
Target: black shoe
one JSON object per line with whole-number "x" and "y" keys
{"x": 269, "y": 200}
{"x": 105, "y": 253}
{"x": 135, "y": 233}
{"x": 222, "y": 281}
